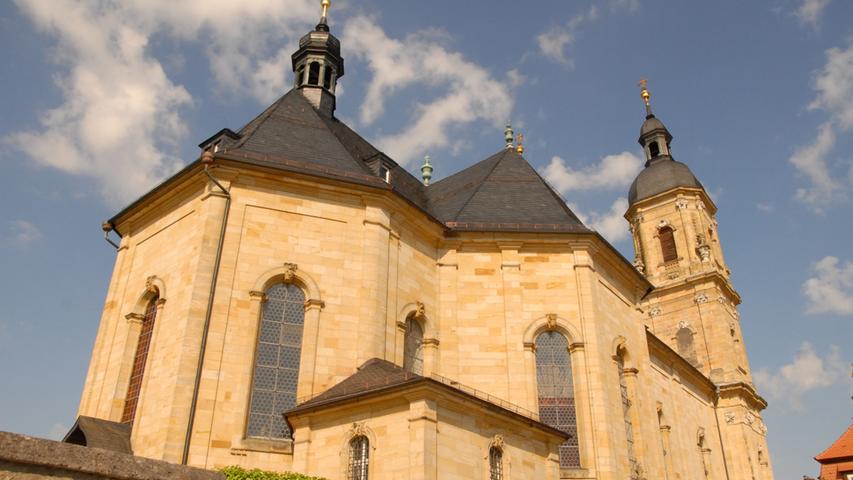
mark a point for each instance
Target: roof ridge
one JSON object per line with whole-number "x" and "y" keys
{"x": 562, "y": 201}
{"x": 498, "y": 160}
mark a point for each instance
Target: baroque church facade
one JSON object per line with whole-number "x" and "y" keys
{"x": 294, "y": 300}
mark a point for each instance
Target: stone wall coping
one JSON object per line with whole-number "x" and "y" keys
{"x": 38, "y": 452}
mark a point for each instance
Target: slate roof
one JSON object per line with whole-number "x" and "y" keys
{"x": 662, "y": 174}
{"x": 377, "y": 376}
{"x": 502, "y": 192}
{"x": 841, "y": 449}
{"x": 100, "y": 433}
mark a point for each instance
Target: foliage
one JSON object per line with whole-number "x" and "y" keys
{"x": 239, "y": 473}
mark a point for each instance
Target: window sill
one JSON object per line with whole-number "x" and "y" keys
{"x": 263, "y": 445}
{"x": 576, "y": 473}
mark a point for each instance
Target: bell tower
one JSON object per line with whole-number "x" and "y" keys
{"x": 318, "y": 65}
{"x": 672, "y": 219}
{"x": 693, "y": 306}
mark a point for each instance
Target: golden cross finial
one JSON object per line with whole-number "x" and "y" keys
{"x": 644, "y": 92}
{"x": 326, "y": 4}
{"x": 520, "y": 142}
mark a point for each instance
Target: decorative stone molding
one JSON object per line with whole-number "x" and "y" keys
{"x": 750, "y": 418}
{"x": 700, "y": 205}
{"x": 681, "y": 204}
{"x": 135, "y": 318}
{"x": 684, "y": 324}
{"x": 638, "y": 263}
{"x": 575, "y": 346}
{"x": 359, "y": 429}
{"x": 730, "y": 418}
{"x": 497, "y": 442}
{"x": 430, "y": 342}
{"x": 663, "y": 223}
{"x": 289, "y": 272}
{"x": 552, "y": 321}
{"x": 655, "y": 311}
{"x": 530, "y": 346}
{"x": 150, "y": 285}
{"x": 257, "y": 295}
{"x": 420, "y": 311}
{"x": 701, "y": 298}
{"x": 312, "y": 303}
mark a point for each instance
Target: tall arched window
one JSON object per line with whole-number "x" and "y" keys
{"x": 626, "y": 412}
{"x": 128, "y": 414}
{"x": 359, "y": 458}
{"x": 327, "y": 78}
{"x": 300, "y": 75}
{"x": 277, "y": 361}
{"x": 413, "y": 349}
{"x": 496, "y": 467}
{"x": 556, "y": 392}
{"x": 654, "y": 149}
{"x": 667, "y": 244}
{"x": 686, "y": 346}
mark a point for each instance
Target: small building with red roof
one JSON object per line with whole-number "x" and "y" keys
{"x": 836, "y": 462}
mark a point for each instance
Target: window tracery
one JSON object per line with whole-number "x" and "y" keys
{"x": 556, "y": 392}
{"x": 413, "y": 349}
{"x": 359, "y": 458}
{"x": 139, "y": 359}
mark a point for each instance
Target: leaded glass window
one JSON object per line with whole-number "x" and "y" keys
{"x": 413, "y": 350}
{"x": 667, "y": 244}
{"x": 277, "y": 361}
{"x": 626, "y": 412}
{"x": 359, "y": 458}
{"x": 137, "y": 372}
{"x": 556, "y": 392}
{"x": 496, "y": 467}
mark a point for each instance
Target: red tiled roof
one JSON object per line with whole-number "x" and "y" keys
{"x": 842, "y": 448}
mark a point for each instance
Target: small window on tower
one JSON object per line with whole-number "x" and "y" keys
{"x": 327, "y": 78}
{"x": 314, "y": 73}
{"x": 667, "y": 245}
{"x": 654, "y": 149}
{"x": 385, "y": 173}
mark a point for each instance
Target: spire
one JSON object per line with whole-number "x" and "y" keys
{"x": 323, "y": 26}
{"x": 520, "y": 141}
{"x": 508, "y": 135}
{"x": 426, "y": 171}
{"x": 644, "y": 92}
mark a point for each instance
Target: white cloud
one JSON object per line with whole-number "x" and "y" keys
{"x": 471, "y": 95}
{"x": 810, "y": 11}
{"x": 553, "y": 42}
{"x": 831, "y": 289}
{"x": 21, "y": 233}
{"x": 630, "y": 5}
{"x": 613, "y": 171}
{"x": 765, "y": 207}
{"x": 809, "y": 371}
{"x": 810, "y": 161}
{"x": 612, "y": 224}
{"x": 120, "y": 121}
{"x": 834, "y": 84}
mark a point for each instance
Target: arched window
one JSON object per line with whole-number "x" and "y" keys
{"x": 128, "y": 414}
{"x": 327, "y": 78}
{"x": 556, "y": 392}
{"x": 496, "y": 467}
{"x": 667, "y": 244}
{"x": 413, "y": 349}
{"x": 626, "y": 413}
{"x": 686, "y": 346}
{"x": 314, "y": 73}
{"x": 359, "y": 458}
{"x": 654, "y": 149}
{"x": 277, "y": 361}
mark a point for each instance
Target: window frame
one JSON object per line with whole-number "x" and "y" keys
{"x": 573, "y": 444}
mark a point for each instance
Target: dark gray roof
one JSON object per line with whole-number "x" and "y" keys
{"x": 662, "y": 174}
{"x": 653, "y": 125}
{"x": 99, "y": 433}
{"x": 377, "y": 376}
{"x": 502, "y": 192}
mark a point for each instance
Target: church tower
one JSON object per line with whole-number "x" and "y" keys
{"x": 693, "y": 306}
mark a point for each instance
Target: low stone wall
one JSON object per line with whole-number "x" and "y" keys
{"x": 28, "y": 458}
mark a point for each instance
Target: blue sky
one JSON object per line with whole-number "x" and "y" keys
{"x": 102, "y": 99}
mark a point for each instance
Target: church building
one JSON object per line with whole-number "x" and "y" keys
{"x": 295, "y": 300}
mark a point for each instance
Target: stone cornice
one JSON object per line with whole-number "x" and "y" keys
{"x": 697, "y": 278}
{"x": 745, "y": 392}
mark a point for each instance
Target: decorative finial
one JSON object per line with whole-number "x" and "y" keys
{"x": 323, "y": 26}
{"x": 426, "y": 171}
{"x": 644, "y": 92}
{"x": 508, "y": 135}
{"x": 520, "y": 141}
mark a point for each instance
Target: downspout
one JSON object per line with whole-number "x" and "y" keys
{"x": 108, "y": 227}
{"x": 207, "y": 160}
{"x": 719, "y": 431}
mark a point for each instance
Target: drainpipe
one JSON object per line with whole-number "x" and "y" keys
{"x": 207, "y": 160}
{"x": 719, "y": 431}
{"x": 108, "y": 227}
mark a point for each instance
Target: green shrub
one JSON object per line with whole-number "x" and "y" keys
{"x": 239, "y": 473}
